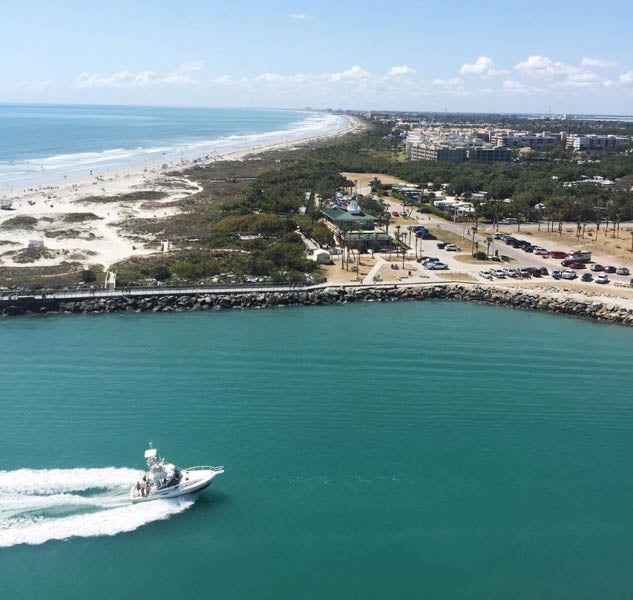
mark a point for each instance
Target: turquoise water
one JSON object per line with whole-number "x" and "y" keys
{"x": 45, "y": 143}
{"x": 438, "y": 450}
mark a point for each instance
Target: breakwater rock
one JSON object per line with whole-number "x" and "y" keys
{"x": 523, "y": 299}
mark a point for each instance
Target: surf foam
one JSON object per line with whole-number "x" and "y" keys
{"x": 56, "y": 504}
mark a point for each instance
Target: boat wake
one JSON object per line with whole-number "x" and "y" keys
{"x": 56, "y": 504}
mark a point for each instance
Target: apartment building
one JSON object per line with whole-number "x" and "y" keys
{"x": 598, "y": 142}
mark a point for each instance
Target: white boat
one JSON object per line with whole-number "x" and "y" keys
{"x": 165, "y": 480}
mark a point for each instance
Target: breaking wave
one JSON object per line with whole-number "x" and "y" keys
{"x": 56, "y": 504}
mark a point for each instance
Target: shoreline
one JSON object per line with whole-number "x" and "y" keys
{"x": 69, "y": 228}
{"x": 607, "y": 309}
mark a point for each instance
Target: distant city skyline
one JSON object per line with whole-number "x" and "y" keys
{"x": 558, "y": 57}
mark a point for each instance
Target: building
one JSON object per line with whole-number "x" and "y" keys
{"x": 344, "y": 220}
{"x": 524, "y": 139}
{"x": 365, "y": 241}
{"x": 489, "y": 155}
{"x": 437, "y": 152}
{"x": 598, "y": 142}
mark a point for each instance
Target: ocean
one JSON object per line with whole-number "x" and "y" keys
{"x": 46, "y": 143}
{"x": 399, "y": 450}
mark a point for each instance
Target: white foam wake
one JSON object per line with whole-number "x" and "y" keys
{"x": 56, "y": 504}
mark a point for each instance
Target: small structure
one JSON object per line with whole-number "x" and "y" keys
{"x": 36, "y": 244}
{"x": 322, "y": 257}
{"x": 110, "y": 280}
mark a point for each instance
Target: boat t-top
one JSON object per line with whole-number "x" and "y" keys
{"x": 165, "y": 480}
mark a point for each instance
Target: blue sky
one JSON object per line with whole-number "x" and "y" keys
{"x": 562, "y": 55}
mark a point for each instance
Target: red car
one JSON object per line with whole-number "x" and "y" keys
{"x": 395, "y": 213}
{"x": 556, "y": 254}
{"x": 576, "y": 265}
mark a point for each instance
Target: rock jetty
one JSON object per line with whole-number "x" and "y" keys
{"x": 200, "y": 301}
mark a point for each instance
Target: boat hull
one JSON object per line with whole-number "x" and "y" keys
{"x": 192, "y": 482}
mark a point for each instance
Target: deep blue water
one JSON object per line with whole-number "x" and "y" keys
{"x": 435, "y": 449}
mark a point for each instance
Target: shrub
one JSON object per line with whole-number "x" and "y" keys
{"x": 480, "y": 255}
{"x": 88, "y": 276}
{"x": 162, "y": 273}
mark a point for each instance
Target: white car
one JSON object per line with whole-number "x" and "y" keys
{"x": 569, "y": 274}
{"x": 622, "y": 271}
{"x": 451, "y": 248}
{"x": 602, "y": 278}
{"x": 486, "y": 274}
{"x": 540, "y": 251}
{"x": 500, "y": 273}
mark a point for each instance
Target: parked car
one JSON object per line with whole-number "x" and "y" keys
{"x": 597, "y": 267}
{"x": 558, "y": 255}
{"x": 610, "y": 269}
{"x": 556, "y": 274}
{"x": 437, "y": 266}
{"x": 395, "y": 213}
{"x": 574, "y": 264}
{"x": 544, "y": 271}
{"x": 500, "y": 236}
{"x": 533, "y": 271}
{"x": 441, "y": 245}
{"x": 528, "y": 248}
{"x": 602, "y": 278}
{"x": 586, "y": 277}
{"x": 622, "y": 271}
{"x": 569, "y": 274}
{"x": 500, "y": 273}
{"x": 451, "y": 248}
{"x": 486, "y": 274}
{"x": 540, "y": 251}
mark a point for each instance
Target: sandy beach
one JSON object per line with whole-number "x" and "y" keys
{"x": 81, "y": 219}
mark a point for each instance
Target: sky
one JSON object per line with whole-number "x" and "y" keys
{"x": 558, "y": 56}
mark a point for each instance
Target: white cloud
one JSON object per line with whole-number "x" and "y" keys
{"x": 190, "y": 66}
{"x": 401, "y": 70}
{"x": 543, "y": 67}
{"x": 301, "y": 16}
{"x": 559, "y": 74}
{"x": 183, "y": 76}
{"x": 452, "y": 82}
{"x": 511, "y": 86}
{"x": 598, "y": 63}
{"x": 483, "y": 66}
{"x": 627, "y": 78}
{"x": 354, "y": 72}
{"x": 118, "y": 79}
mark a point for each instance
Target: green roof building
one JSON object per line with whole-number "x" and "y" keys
{"x": 349, "y": 221}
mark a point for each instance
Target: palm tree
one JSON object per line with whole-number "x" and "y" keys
{"x": 488, "y": 242}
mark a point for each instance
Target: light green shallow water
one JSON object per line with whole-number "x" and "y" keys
{"x": 438, "y": 450}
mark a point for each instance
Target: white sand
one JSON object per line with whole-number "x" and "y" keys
{"x": 101, "y": 241}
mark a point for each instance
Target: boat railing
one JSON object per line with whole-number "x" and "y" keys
{"x": 205, "y": 468}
